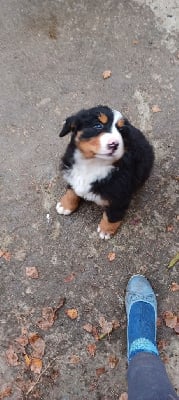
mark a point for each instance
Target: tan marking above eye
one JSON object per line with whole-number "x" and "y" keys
{"x": 103, "y": 118}
{"x": 120, "y": 123}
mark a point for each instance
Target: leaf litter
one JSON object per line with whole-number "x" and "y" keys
{"x": 49, "y": 315}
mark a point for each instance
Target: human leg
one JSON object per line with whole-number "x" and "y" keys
{"x": 147, "y": 377}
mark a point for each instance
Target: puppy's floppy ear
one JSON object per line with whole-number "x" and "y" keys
{"x": 70, "y": 125}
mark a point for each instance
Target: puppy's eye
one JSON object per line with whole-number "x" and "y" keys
{"x": 98, "y": 126}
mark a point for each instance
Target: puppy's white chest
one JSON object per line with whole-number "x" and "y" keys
{"x": 83, "y": 173}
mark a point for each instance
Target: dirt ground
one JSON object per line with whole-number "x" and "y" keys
{"x": 53, "y": 54}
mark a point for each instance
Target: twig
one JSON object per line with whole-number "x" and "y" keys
{"x": 40, "y": 376}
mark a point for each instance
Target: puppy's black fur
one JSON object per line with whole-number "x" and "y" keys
{"x": 129, "y": 172}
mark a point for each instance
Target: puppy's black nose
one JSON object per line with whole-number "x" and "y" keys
{"x": 113, "y": 145}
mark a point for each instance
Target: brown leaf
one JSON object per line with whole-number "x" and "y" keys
{"x": 123, "y": 396}
{"x": 49, "y": 315}
{"x": 165, "y": 358}
{"x": 5, "y": 393}
{"x": 107, "y": 327}
{"x": 24, "y": 331}
{"x": 32, "y": 272}
{"x": 69, "y": 278}
{"x": 27, "y": 360}
{"x": 22, "y": 340}
{"x": 72, "y": 313}
{"x": 170, "y": 319}
{"x": 159, "y": 322}
{"x": 115, "y": 323}
{"x": 1, "y": 253}
{"x": 48, "y": 318}
{"x": 12, "y": 357}
{"x": 95, "y": 333}
{"x": 176, "y": 327}
{"x": 74, "y": 359}
{"x": 170, "y": 228}
{"x": 156, "y": 108}
{"x": 5, "y": 254}
{"x": 135, "y": 41}
{"x": 88, "y": 328}
{"x": 106, "y": 74}
{"x": 91, "y": 348}
{"x": 162, "y": 343}
{"x": 38, "y": 345}
{"x": 113, "y": 361}
{"x": 111, "y": 256}
{"x": 36, "y": 365}
{"x": 174, "y": 287}
{"x": 100, "y": 371}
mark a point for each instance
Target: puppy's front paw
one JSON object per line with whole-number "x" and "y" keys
{"x": 61, "y": 210}
{"x": 103, "y": 235}
{"x": 107, "y": 228}
{"x": 68, "y": 203}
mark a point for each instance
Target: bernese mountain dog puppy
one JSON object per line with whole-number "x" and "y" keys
{"x": 106, "y": 161}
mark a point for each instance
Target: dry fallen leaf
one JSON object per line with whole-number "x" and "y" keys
{"x": 115, "y": 323}
{"x": 22, "y": 340}
{"x": 12, "y": 357}
{"x": 100, "y": 371}
{"x": 24, "y": 331}
{"x": 176, "y": 327}
{"x": 27, "y": 360}
{"x": 174, "y": 287}
{"x": 69, "y": 278}
{"x": 38, "y": 345}
{"x": 113, "y": 361}
{"x": 5, "y": 254}
{"x": 162, "y": 343}
{"x": 106, "y": 74}
{"x": 32, "y": 272}
{"x": 49, "y": 315}
{"x": 170, "y": 228}
{"x": 36, "y": 365}
{"x": 91, "y": 348}
{"x": 165, "y": 358}
{"x": 107, "y": 327}
{"x": 123, "y": 396}
{"x": 88, "y": 328}
{"x": 74, "y": 359}
{"x": 170, "y": 319}
{"x": 48, "y": 318}
{"x": 111, "y": 256}
{"x": 174, "y": 261}
{"x": 72, "y": 313}
{"x": 135, "y": 41}
{"x": 5, "y": 393}
{"x": 95, "y": 333}
{"x": 156, "y": 108}
{"x": 159, "y": 321}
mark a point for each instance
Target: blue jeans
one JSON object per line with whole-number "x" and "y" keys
{"x": 148, "y": 380}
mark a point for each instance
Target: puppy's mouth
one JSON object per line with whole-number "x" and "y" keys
{"x": 108, "y": 154}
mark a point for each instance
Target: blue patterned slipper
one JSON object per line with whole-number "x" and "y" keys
{"x": 141, "y": 308}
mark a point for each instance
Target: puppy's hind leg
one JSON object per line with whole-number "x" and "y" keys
{"x": 68, "y": 203}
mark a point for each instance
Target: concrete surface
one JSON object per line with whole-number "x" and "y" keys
{"x": 53, "y": 54}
